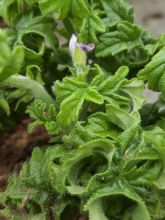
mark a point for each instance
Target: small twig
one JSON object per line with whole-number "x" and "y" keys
{"x": 25, "y": 199}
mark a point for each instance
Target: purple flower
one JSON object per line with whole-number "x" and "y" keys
{"x": 85, "y": 47}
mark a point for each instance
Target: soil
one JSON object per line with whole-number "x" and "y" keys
{"x": 16, "y": 147}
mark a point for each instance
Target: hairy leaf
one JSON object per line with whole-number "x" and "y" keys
{"x": 10, "y": 60}
{"x": 136, "y": 211}
{"x": 117, "y": 11}
{"x": 154, "y": 72}
{"x": 60, "y": 9}
{"x": 74, "y": 93}
{"x": 74, "y": 162}
{"x": 125, "y": 37}
{"x": 158, "y": 142}
{"x": 10, "y": 9}
{"x": 121, "y": 117}
{"x": 92, "y": 25}
{"x": 40, "y": 27}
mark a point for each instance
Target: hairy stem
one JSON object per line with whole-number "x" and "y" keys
{"x": 22, "y": 82}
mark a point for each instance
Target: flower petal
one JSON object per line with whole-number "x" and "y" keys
{"x": 86, "y": 47}
{"x": 73, "y": 43}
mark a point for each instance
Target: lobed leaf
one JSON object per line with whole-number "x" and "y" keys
{"x": 117, "y": 11}
{"x": 125, "y": 37}
{"x": 154, "y": 72}
{"x": 61, "y": 9}
{"x": 136, "y": 211}
{"x": 10, "y": 60}
{"x": 91, "y": 27}
{"x": 121, "y": 117}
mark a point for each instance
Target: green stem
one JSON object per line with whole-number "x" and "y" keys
{"x": 22, "y": 82}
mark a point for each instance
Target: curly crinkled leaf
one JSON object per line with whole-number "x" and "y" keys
{"x": 154, "y": 72}
{"x": 161, "y": 41}
{"x": 43, "y": 175}
{"x": 122, "y": 118}
{"x": 13, "y": 63}
{"x": 73, "y": 162}
{"x": 112, "y": 83}
{"x": 77, "y": 136}
{"x": 92, "y": 25}
{"x": 97, "y": 126}
{"x": 14, "y": 215}
{"x": 4, "y": 105}
{"x": 69, "y": 85}
{"x": 34, "y": 88}
{"x": 40, "y": 25}
{"x": 135, "y": 57}
{"x": 60, "y": 9}
{"x": 125, "y": 37}
{"x": 10, "y": 9}
{"x": 127, "y": 137}
{"x": 158, "y": 143}
{"x": 136, "y": 211}
{"x": 117, "y": 11}
{"x": 43, "y": 116}
{"x": 96, "y": 211}
{"x": 70, "y": 108}
{"x": 110, "y": 87}
{"x": 74, "y": 94}
{"x": 10, "y": 60}
{"x": 134, "y": 89}
{"x": 34, "y": 72}
{"x": 117, "y": 89}
{"x": 61, "y": 211}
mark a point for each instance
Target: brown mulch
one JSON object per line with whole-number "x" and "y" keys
{"x": 16, "y": 147}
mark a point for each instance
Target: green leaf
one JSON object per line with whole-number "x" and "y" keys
{"x": 161, "y": 41}
{"x": 111, "y": 85}
{"x": 14, "y": 215}
{"x": 154, "y": 72}
{"x": 41, "y": 26}
{"x": 117, "y": 11}
{"x": 10, "y": 60}
{"x": 79, "y": 8}
{"x": 118, "y": 90}
{"x": 97, "y": 126}
{"x": 43, "y": 115}
{"x": 10, "y": 9}
{"x": 34, "y": 72}
{"x": 66, "y": 208}
{"x": 158, "y": 143}
{"x": 135, "y": 57}
{"x": 70, "y": 108}
{"x": 127, "y": 137}
{"x": 60, "y": 9}
{"x": 96, "y": 204}
{"x": 92, "y": 25}
{"x": 125, "y": 37}
{"x": 74, "y": 94}
{"x": 134, "y": 88}
{"x": 74, "y": 162}
{"x": 30, "y": 88}
{"x": 121, "y": 117}
{"x": 96, "y": 211}
{"x": 92, "y": 95}
{"x": 4, "y": 104}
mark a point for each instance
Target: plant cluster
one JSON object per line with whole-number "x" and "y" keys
{"x": 80, "y": 67}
